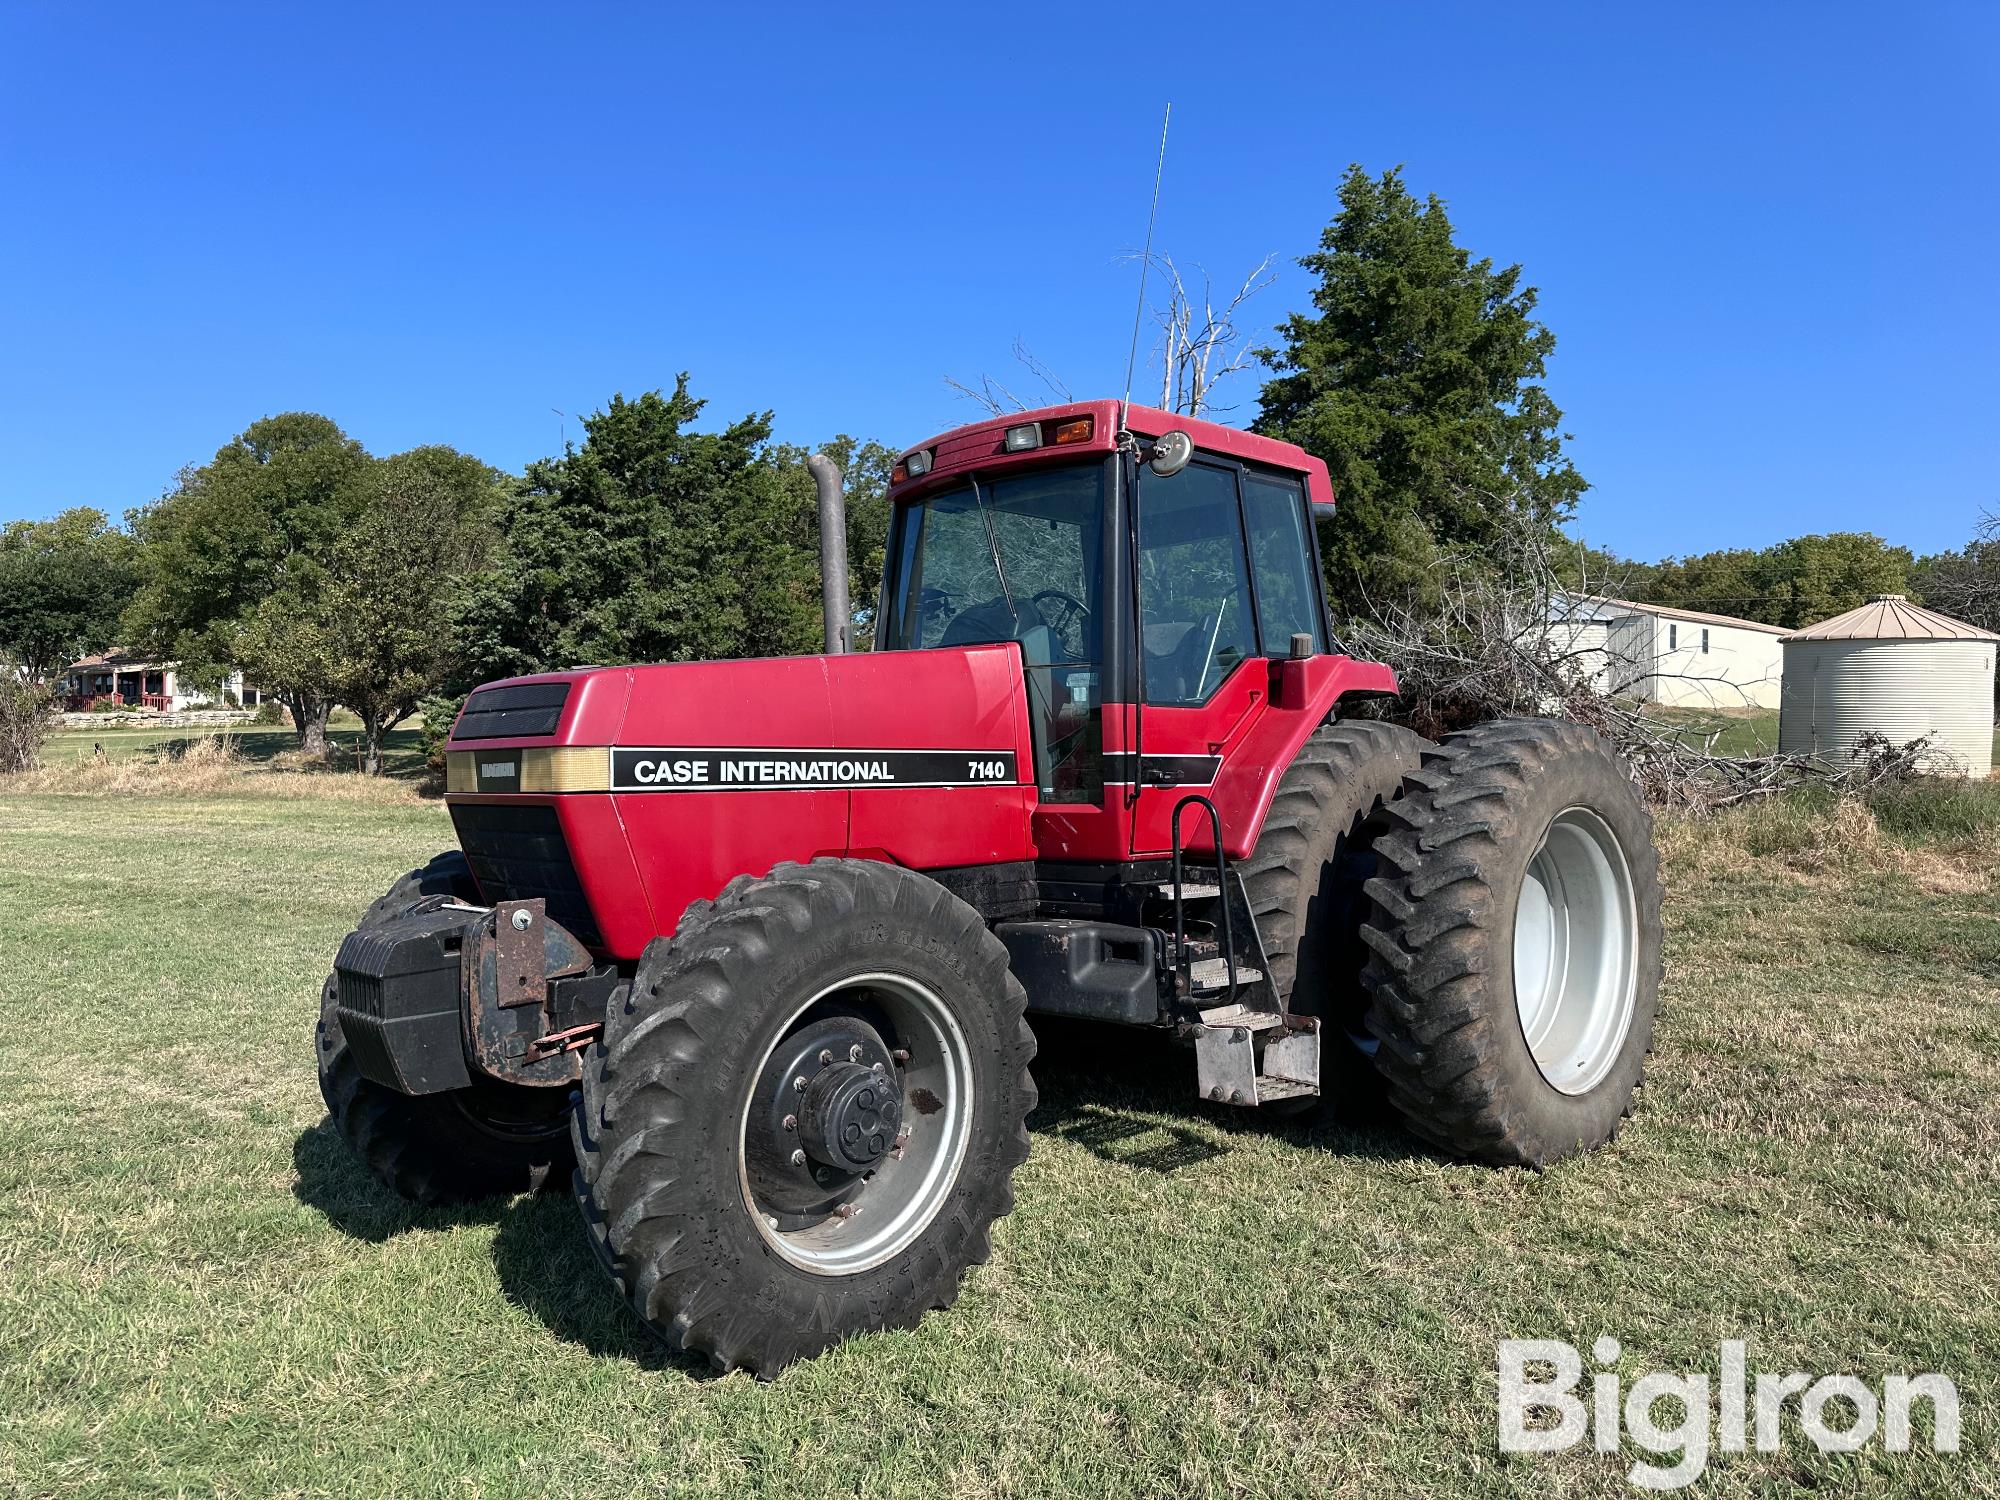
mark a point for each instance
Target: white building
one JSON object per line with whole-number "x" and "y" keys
{"x": 1680, "y": 658}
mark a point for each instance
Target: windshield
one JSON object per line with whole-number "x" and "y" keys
{"x": 1017, "y": 559}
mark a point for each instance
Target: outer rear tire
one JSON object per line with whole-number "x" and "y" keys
{"x": 1444, "y": 973}
{"x": 664, "y": 1123}
{"x": 485, "y": 1141}
{"x": 1305, "y": 878}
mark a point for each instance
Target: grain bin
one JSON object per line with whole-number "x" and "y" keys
{"x": 1893, "y": 669}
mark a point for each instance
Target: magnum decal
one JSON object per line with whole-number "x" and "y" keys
{"x": 670, "y": 769}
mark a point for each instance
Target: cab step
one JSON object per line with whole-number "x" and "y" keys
{"x": 1190, "y": 890}
{"x": 1212, "y": 974}
{"x": 1248, "y": 1057}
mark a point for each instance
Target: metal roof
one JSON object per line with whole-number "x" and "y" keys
{"x": 1891, "y": 617}
{"x": 1666, "y": 612}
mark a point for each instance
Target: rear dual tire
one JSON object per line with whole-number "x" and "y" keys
{"x": 1514, "y": 943}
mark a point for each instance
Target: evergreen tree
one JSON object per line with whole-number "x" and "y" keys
{"x": 1417, "y": 379}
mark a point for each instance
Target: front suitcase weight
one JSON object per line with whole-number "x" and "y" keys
{"x": 399, "y": 1001}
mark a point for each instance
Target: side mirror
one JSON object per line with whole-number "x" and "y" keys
{"x": 1171, "y": 452}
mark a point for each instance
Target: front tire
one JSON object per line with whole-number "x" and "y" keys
{"x": 1514, "y": 960}
{"x": 487, "y": 1140}
{"x": 806, "y": 1116}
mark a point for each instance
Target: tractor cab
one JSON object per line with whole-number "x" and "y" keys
{"x": 1162, "y": 582}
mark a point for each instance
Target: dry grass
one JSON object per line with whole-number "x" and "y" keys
{"x": 1941, "y": 837}
{"x": 207, "y": 766}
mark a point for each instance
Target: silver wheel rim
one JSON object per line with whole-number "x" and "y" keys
{"x": 897, "y": 1200}
{"x": 1576, "y": 952}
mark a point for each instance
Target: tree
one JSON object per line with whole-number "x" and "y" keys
{"x": 235, "y": 561}
{"x": 650, "y": 542}
{"x": 1732, "y": 581}
{"x": 1417, "y": 379}
{"x": 1794, "y": 583}
{"x": 1965, "y": 584}
{"x": 423, "y": 528}
{"x": 62, "y": 584}
{"x": 1202, "y": 344}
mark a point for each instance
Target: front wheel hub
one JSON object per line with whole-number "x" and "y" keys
{"x": 825, "y": 1096}
{"x": 850, "y": 1116}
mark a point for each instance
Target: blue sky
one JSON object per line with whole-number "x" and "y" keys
{"x": 1764, "y": 235}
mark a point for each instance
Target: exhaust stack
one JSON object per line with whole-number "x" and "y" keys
{"x": 832, "y": 553}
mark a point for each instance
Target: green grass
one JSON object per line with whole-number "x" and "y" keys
{"x": 201, "y": 1293}
{"x": 1749, "y": 733}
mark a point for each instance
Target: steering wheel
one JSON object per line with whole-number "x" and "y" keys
{"x": 1073, "y": 609}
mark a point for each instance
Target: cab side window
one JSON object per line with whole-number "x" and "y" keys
{"x": 1281, "y": 552}
{"x": 1194, "y": 584}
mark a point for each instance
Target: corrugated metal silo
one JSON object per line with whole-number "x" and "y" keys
{"x": 1893, "y": 669}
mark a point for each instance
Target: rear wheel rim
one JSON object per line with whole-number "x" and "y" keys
{"x": 1576, "y": 952}
{"x": 893, "y": 1202}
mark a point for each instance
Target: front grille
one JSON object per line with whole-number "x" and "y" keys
{"x": 518, "y": 853}
{"x": 498, "y": 712}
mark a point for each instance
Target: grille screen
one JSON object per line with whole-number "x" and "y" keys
{"x": 495, "y": 712}
{"x": 518, "y": 853}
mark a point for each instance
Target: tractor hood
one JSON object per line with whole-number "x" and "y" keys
{"x": 596, "y": 787}
{"x": 794, "y": 722}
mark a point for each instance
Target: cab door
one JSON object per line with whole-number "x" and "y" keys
{"x": 1227, "y": 576}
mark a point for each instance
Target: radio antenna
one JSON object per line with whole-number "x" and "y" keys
{"x": 1145, "y": 265}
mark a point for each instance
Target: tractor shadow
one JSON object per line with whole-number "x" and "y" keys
{"x": 1106, "y": 1088}
{"x": 546, "y": 1268}
{"x": 540, "y": 1254}
{"x": 333, "y": 1182}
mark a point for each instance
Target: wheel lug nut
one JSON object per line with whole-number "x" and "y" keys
{"x": 854, "y": 1053}
{"x": 798, "y": 1158}
{"x": 791, "y": 1122}
{"x": 799, "y": 1083}
{"x": 825, "y": 1057}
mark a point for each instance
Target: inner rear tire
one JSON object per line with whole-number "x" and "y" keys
{"x": 1514, "y": 963}
{"x": 489, "y": 1140}
{"x": 823, "y": 1009}
{"x": 1304, "y": 881}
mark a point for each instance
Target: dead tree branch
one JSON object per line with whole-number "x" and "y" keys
{"x": 1502, "y": 635}
{"x": 1201, "y": 344}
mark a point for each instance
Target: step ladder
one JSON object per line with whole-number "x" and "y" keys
{"x": 1248, "y": 1049}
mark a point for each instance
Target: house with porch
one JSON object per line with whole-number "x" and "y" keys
{"x": 141, "y": 683}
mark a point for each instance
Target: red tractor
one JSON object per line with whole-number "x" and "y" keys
{"x": 748, "y": 949}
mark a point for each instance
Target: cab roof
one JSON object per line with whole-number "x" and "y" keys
{"x": 978, "y": 446}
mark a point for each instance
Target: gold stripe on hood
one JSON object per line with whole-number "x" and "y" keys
{"x": 541, "y": 769}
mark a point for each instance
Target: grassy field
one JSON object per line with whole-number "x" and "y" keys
{"x": 201, "y": 1293}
